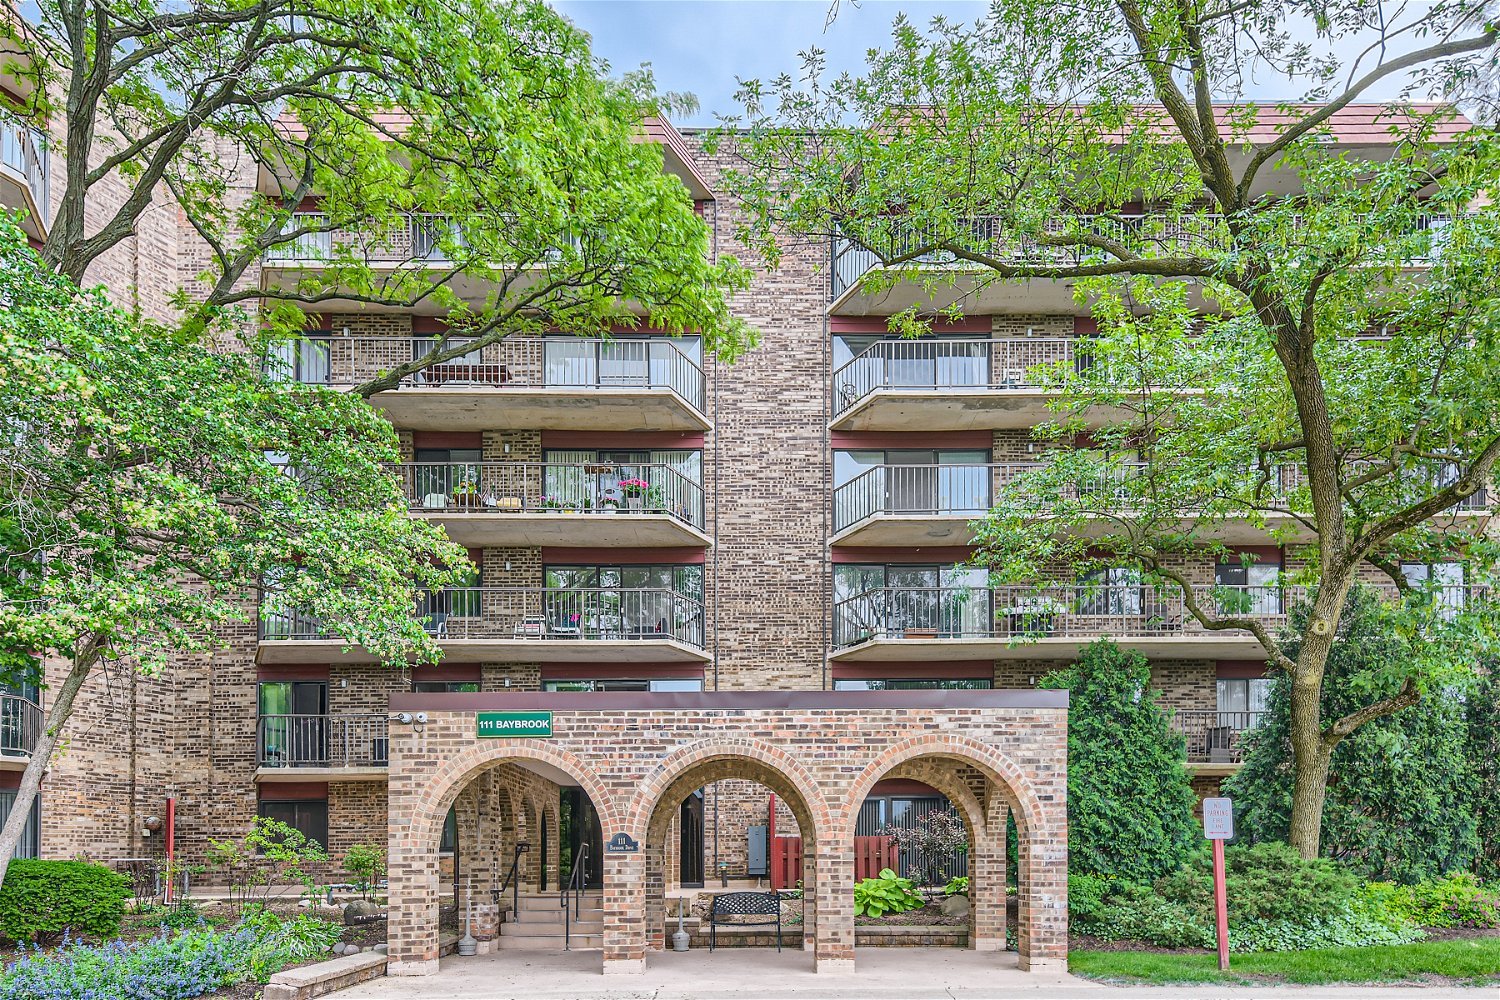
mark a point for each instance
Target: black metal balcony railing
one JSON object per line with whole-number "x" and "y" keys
{"x": 1081, "y": 611}
{"x": 590, "y": 488}
{"x": 953, "y": 365}
{"x": 416, "y": 239}
{"x": 950, "y": 489}
{"x": 601, "y": 614}
{"x": 1214, "y": 737}
{"x": 21, "y": 722}
{"x": 1147, "y": 234}
{"x": 514, "y": 362}
{"x": 24, "y": 150}
{"x": 322, "y": 741}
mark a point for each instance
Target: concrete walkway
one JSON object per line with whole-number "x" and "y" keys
{"x": 762, "y": 974}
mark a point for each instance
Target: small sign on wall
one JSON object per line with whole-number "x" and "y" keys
{"x": 512, "y": 724}
{"x": 621, "y": 843}
{"x": 1218, "y": 819}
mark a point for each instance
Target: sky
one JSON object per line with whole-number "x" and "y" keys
{"x": 703, "y": 46}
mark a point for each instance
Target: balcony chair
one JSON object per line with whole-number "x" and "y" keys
{"x": 507, "y": 504}
{"x": 531, "y": 628}
{"x": 435, "y": 501}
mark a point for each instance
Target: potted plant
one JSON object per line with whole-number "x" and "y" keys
{"x": 635, "y": 493}
{"x": 551, "y": 503}
{"x": 609, "y": 505}
{"x": 465, "y": 493}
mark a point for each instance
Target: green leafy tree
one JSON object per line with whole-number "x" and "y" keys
{"x": 151, "y": 489}
{"x": 1402, "y": 795}
{"x": 539, "y": 208}
{"x": 1234, "y": 354}
{"x": 1130, "y": 804}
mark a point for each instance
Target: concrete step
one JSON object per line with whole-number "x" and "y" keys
{"x": 579, "y": 942}
{"x": 539, "y": 929}
{"x": 584, "y": 907}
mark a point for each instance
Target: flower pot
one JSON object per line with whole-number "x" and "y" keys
{"x": 636, "y": 504}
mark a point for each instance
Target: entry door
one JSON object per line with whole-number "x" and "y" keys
{"x": 690, "y": 841}
{"x": 581, "y": 826}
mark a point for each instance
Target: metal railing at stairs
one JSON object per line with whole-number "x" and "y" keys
{"x": 512, "y": 882}
{"x": 574, "y": 887}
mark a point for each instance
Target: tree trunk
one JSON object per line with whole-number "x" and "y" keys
{"x": 1310, "y": 760}
{"x": 31, "y": 778}
{"x": 1311, "y": 754}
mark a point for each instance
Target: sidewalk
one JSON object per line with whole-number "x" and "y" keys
{"x": 762, "y": 974}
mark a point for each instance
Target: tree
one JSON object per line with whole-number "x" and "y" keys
{"x": 1402, "y": 795}
{"x": 1234, "y": 352}
{"x": 1130, "y": 804}
{"x": 492, "y": 120}
{"x": 151, "y": 489}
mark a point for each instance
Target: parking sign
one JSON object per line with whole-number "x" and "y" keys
{"x": 1218, "y": 819}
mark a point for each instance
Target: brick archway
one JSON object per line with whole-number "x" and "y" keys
{"x": 1042, "y": 923}
{"x": 713, "y": 760}
{"x": 820, "y": 751}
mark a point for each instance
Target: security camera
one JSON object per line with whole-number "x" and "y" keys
{"x": 421, "y": 718}
{"x": 404, "y": 718}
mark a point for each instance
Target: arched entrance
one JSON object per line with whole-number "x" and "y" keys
{"x": 987, "y": 789}
{"x": 707, "y": 763}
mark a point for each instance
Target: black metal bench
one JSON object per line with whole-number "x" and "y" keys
{"x": 744, "y": 904}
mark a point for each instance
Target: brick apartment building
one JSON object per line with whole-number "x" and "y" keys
{"x": 643, "y": 518}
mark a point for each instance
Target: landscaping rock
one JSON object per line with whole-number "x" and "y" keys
{"x": 359, "y": 908}
{"x": 955, "y": 906}
{"x": 380, "y": 948}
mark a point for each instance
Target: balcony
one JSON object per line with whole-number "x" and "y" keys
{"x": 971, "y": 284}
{"x": 939, "y": 624}
{"x": 312, "y": 747}
{"x": 24, "y": 177}
{"x": 518, "y": 625}
{"x": 1214, "y": 738}
{"x": 955, "y": 623}
{"x": 952, "y": 385}
{"x": 550, "y": 503}
{"x": 542, "y": 383}
{"x": 21, "y": 722}
{"x": 907, "y": 505}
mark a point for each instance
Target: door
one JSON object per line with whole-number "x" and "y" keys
{"x": 690, "y": 841}
{"x": 912, "y": 482}
{"x": 580, "y": 827}
{"x": 294, "y": 724}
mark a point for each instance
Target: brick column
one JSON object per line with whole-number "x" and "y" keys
{"x": 987, "y": 880}
{"x": 412, "y": 931}
{"x": 624, "y": 914}
{"x": 1042, "y": 923}
{"x": 833, "y": 934}
{"x": 809, "y": 900}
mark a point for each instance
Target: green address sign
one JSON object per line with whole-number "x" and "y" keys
{"x": 513, "y": 723}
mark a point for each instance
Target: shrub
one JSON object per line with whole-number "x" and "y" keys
{"x": 958, "y": 885}
{"x": 43, "y": 900}
{"x": 365, "y": 864}
{"x": 183, "y": 916}
{"x": 1086, "y": 895}
{"x": 875, "y": 897}
{"x": 1267, "y": 881}
{"x": 1457, "y": 900}
{"x": 938, "y": 837}
{"x": 271, "y": 854}
{"x": 1122, "y": 752}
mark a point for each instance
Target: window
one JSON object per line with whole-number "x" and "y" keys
{"x": 1444, "y": 579}
{"x": 909, "y": 481}
{"x": 449, "y": 842}
{"x": 308, "y": 817}
{"x": 30, "y": 843}
{"x": 462, "y": 600}
{"x": 1241, "y": 700}
{"x": 626, "y": 602}
{"x": 442, "y": 475}
{"x": 1249, "y": 588}
{"x": 612, "y": 684}
{"x": 915, "y": 684}
{"x": 444, "y": 687}
{"x": 304, "y": 360}
{"x": 293, "y": 723}
{"x": 1115, "y": 591}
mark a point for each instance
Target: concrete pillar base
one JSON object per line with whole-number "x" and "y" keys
{"x": 843, "y": 966}
{"x": 624, "y": 966}
{"x": 415, "y": 967}
{"x": 988, "y": 944}
{"x": 1045, "y": 966}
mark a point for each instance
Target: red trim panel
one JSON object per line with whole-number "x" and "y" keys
{"x": 292, "y": 791}
{"x": 973, "y": 440}
{"x": 554, "y": 555}
{"x": 1235, "y": 669}
{"x": 292, "y": 672}
{"x": 863, "y": 324}
{"x": 622, "y": 440}
{"x": 620, "y": 671}
{"x": 967, "y": 670}
{"x": 462, "y": 672}
{"x": 902, "y": 786}
{"x": 943, "y": 554}
{"x": 447, "y": 439}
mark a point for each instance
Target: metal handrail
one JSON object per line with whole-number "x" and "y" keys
{"x": 950, "y": 364}
{"x": 513, "y": 881}
{"x": 586, "y": 487}
{"x": 571, "y": 362}
{"x": 21, "y": 722}
{"x": 1083, "y": 610}
{"x": 24, "y": 150}
{"x": 1213, "y": 736}
{"x": 323, "y": 740}
{"x": 532, "y": 613}
{"x": 575, "y": 886}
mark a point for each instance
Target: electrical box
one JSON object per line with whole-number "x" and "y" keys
{"x": 759, "y": 853}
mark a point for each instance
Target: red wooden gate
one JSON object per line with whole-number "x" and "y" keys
{"x": 870, "y": 855}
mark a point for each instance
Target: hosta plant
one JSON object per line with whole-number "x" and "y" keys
{"x": 887, "y": 893}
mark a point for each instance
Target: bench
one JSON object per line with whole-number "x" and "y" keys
{"x": 744, "y": 904}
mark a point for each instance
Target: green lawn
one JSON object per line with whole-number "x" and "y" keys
{"x": 1475, "y": 960}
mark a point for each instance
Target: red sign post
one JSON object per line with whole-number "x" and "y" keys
{"x": 1218, "y": 826}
